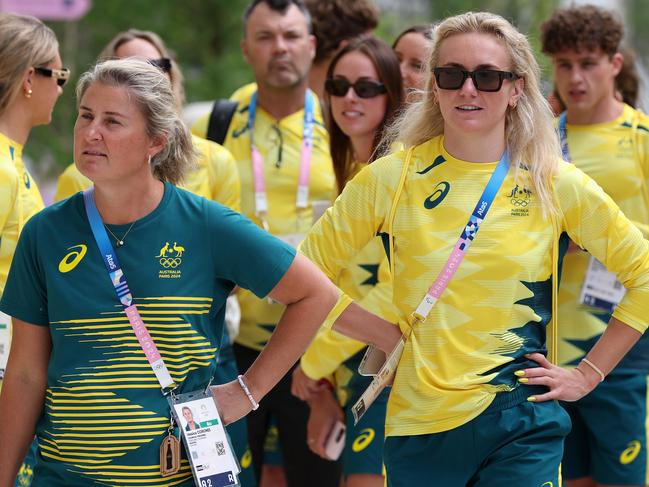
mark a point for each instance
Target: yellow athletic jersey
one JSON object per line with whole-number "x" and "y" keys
{"x": 215, "y": 176}
{"x": 366, "y": 279}
{"x": 500, "y": 302}
{"x": 616, "y": 155}
{"x": 19, "y": 201}
{"x": 280, "y": 143}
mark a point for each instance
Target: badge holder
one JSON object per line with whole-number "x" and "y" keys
{"x": 206, "y": 441}
{"x": 601, "y": 288}
{"x": 382, "y": 379}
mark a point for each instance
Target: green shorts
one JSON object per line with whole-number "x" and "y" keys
{"x": 26, "y": 472}
{"x": 363, "y": 452}
{"x": 272, "y": 448}
{"x": 608, "y": 441}
{"x": 514, "y": 442}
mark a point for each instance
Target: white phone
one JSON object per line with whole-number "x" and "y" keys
{"x": 336, "y": 441}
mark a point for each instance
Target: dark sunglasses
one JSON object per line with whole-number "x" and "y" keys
{"x": 483, "y": 79}
{"x": 164, "y": 64}
{"x": 61, "y": 75}
{"x": 364, "y": 88}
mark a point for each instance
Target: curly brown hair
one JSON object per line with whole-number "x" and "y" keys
{"x": 337, "y": 20}
{"x": 582, "y": 27}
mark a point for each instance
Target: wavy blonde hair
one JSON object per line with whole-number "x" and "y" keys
{"x": 529, "y": 131}
{"x": 151, "y": 91}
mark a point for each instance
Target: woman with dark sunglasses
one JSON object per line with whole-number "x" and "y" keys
{"x": 472, "y": 402}
{"x": 31, "y": 81}
{"x": 363, "y": 93}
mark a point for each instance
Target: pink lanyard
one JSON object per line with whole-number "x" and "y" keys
{"x": 302, "y": 198}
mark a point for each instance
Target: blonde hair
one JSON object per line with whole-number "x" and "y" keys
{"x": 110, "y": 52}
{"x": 531, "y": 138}
{"x": 151, "y": 91}
{"x": 24, "y": 42}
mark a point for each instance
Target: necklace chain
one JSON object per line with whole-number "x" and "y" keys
{"x": 119, "y": 242}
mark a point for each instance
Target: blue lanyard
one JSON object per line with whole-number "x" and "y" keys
{"x": 118, "y": 279}
{"x": 563, "y": 136}
{"x": 464, "y": 242}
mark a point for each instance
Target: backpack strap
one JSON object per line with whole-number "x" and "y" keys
{"x": 220, "y": 117}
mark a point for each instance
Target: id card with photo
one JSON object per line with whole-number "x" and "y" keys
{"x": 207, "y": 444}
{"x": 601, "y": 288}
{"x": 5, "y": 342}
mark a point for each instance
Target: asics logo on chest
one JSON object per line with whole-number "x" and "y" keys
{"x": 72, "y": 258}
{"x": 441, "y": 190}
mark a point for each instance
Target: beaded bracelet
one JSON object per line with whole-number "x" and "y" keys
{"x": 255, "y": 404}
{"x": 595, "y": 368}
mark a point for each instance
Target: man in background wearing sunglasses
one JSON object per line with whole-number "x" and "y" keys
{"x": 281, "y": 147}
{"x": 608, "y": 140}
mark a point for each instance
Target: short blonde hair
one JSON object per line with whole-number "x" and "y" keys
{"x": 110, "y": 52}
{"x": 24, "y": 42}
{"x": 530, "y": 136}
{"x": 150, "y": 89}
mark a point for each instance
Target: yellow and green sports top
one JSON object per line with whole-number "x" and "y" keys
{"x": 366, "y": 279}
{"x": 215, "y": 176}
{"x": 616, "y": 155}
{"x": 498, "y": 306}
{"x": 19, "y": 201}
{"x": 280, "y": 143}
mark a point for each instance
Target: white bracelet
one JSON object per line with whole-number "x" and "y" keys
{"x": 595, "y": 368}
{"x": 255, "y": 404}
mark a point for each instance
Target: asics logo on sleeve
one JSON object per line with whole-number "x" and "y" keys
{"x": 441, "y": 190}
{"x": 631, "y": 452}
{"x": 72, "y": 259}
{"x": 363, "y": 440}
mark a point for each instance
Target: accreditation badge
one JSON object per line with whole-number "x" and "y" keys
{"x": 601, "y": 288}
{"x": 5, "y": 342}
{"x": 206, "y": 441}
{"x": 383, "y": 377}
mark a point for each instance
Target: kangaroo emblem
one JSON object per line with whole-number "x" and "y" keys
{"x": 163, "y": 250}
{"x": 179, "y": 250}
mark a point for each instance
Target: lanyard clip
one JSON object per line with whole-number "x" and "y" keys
{"x": 166, "y": 391}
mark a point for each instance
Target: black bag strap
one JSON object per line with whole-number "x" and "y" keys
{"x": 222, "y": 112}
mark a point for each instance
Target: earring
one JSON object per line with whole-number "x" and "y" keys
{"x": 28, "y": 93}
{"x": 149, "y": 159}
{"x": 513, "y": 104}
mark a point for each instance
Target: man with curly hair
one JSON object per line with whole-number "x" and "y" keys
{"x": 609, "y": 140}
{"x": 335, "y": 22}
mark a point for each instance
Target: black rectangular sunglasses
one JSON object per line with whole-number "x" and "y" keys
{"x": 364, "y": 88}
{"x": 62, "y": 75}
{"x": 483, "y": 79}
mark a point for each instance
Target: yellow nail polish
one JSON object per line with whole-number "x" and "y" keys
{"x": 523, "y": 380}
{"x": 519, "y": 373}
{"x": 531, "y": 399}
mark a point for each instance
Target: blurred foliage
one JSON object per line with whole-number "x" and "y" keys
{"x": 205, "y": 35}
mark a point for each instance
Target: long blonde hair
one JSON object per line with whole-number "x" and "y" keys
{"x": 24, "y": 42}
{"x": 529, "y": 132}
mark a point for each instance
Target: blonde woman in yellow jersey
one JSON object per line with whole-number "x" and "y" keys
{"x": 31, "y": 81}
{"x": 608, "y": 140}
{"x": 363, "y": 93}
{"x": 215, "y": 176}
{"x": 472, "y": 399}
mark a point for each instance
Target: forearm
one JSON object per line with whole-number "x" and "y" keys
{"x": 359, "y": 324}
{"x": 21, "y": 403}
{"x": 615, "y": 342}
{"x": 295, "y": 330}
